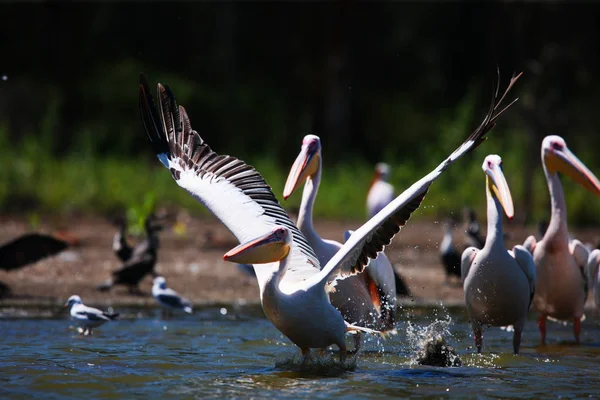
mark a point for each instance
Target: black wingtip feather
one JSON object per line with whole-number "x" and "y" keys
{"x": 150, "y": 119}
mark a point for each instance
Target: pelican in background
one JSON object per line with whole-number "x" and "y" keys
{"x": 381, "y": 192}
{"x": 498, "y": 284}
{"x": 449, "y": 255}
{"x": 367, "y": 299}
{"x": 561, "y": 264}
{"x": 294, "y": 289}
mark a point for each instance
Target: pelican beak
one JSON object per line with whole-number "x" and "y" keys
{"x": 306, "y": 164}
{"x": 562, "y": 160}
{"x": 268, "y": 248}
{"x": 497, "y": 184}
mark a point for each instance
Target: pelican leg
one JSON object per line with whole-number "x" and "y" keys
{"x": 542, "y": 328}
{"x": 478, "y": 336}
{"x": 577, "y": 328}
{"x": 306, "y": 355}
{"x": 343, "y": 353}
{"x": 357, "y": 342}
{"x": 517, "y": 340}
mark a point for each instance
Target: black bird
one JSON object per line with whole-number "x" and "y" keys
{"x": 122, "y": 249}
{"x": 29, "y": 248}
{"x": 473, "y": 231}
{"x": 141, "y": 261}
{"x": 449, "y": 255}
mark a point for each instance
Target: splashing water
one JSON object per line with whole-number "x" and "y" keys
{"x": 429, "y": 346}
{"x": 322, "y": 364}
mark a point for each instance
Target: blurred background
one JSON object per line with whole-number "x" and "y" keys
{"x": 398, "y": 82}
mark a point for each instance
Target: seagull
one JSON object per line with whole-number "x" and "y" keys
{"x": 294, "y": 288}
{"x": 561, "y": 288}
{"x": 498, "y": 284}
{"x": 168, "y": 298}
{"x": 87, "y": 317}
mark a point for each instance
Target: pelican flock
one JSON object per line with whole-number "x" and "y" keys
{"x": 498, "y": 284}
{"x": 561, "y": 264}
{"x": 294, "y": 286}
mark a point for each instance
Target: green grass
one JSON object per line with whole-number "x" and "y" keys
{"x": 33, "y": 182}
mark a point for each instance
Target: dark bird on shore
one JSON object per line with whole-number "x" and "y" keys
{"x": 141, "y": 261}
{"x": 473, "y": 230}
{"x": 28, "y": 249}
{"x": 449, "y": 255}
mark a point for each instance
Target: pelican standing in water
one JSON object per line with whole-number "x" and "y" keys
{"x": 498, "y": 284}
{"x": 294, "y": 289}
{"x": 561, "y": 288}
{"x": 367, "y": 299}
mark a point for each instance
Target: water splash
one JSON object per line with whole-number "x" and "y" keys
{"x": 322, "y": 364}
{"x": 429, "y": 345}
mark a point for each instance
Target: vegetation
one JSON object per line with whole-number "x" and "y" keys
{"x": 394, "y": 82}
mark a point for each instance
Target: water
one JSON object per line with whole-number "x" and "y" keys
{"x": 240, "y": 354}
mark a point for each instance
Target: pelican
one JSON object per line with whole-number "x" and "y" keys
{"x": 560, "y": 264}
{"x": 367, "y": 299}
{"x": 294, "y": 289}
{"x": 381, "y": 192}
{"x": 593, "y": 267}
{"x": 498, "y": 284}
{"x": 87, "y": 317}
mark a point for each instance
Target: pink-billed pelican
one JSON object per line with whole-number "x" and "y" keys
{"x": 381, "y": 192}
{"x": 293, "y": 286}
{"x": 367, "y": 299}
{"x": 593, "y": 268}
{"x": 498, "y": 284}
{"x": 561, "y": 287}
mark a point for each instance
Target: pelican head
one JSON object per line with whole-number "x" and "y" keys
{"x": 496, "y": 183}
{"x": 272, "y": 247}
{"x": 382, "y": 171}
{"x": 558, "y": 158}
{"x": 73, "y": 300}
{"x": 160, "y": 281}
{"x": 307, "y": 163}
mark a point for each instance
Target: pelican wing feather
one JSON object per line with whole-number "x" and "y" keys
{"x": 375, "y": 234}
{"x": 231, "y": 189}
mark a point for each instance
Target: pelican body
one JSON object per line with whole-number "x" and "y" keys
{"x": 367, "y": 299}
{"x": 561, "y": 288}
{"x": 498, "y": 284}
{"x": 293, "y": 286}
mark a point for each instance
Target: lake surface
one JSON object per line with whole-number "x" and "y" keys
{"x": 236, "y": 352}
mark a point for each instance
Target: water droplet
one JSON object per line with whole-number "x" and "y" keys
{"x": 223, "y": 311}
{"x": 4, "y": 78}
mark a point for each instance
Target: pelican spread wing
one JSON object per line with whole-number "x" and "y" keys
{"x": 232, "y": 190}
{"x": 378, "y": 232}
